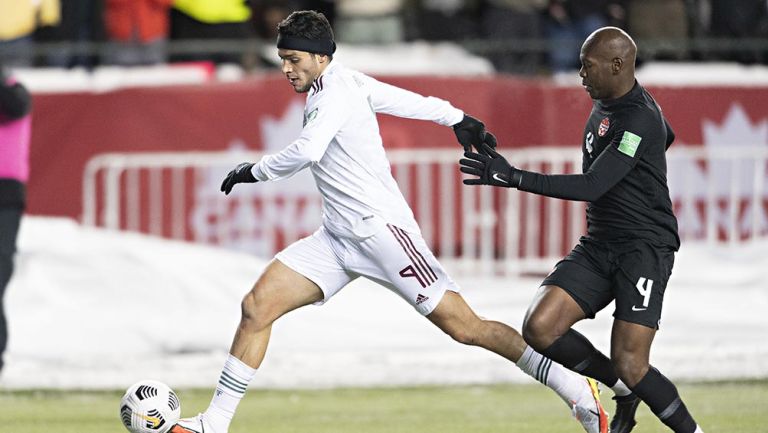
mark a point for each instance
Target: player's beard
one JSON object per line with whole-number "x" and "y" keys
{"x": 305, "y": 88}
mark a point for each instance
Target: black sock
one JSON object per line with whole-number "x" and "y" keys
{"x": 662, "y": 397}
{"x": 575, "y": 352}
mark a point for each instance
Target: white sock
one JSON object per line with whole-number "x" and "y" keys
{"x": 567, "y": 384}
{"x": 620, "y": 389}
{"x": 233, "y": 382}
{"x": 698, "y": 429}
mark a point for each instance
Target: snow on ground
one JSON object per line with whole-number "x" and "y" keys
{"x": 90, "y": 308}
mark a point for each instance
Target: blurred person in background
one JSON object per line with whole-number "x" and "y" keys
{"x": 325, "y": 7}
{"x": 137, "y": 31}
{"x": 82, "y": 21}
{"x": 267, "y": 14}
{"x": 661, "y": 24}
{"x": 740, "y": 19}
{"x": 370, "y": 21}
{"x": 18, "y": 21}
{"x": 15, "y": 124}
{"x": 368, "y": 229}
{"x": 505, "y": 20}
{"x": 569, "y": 22}
{"x": 628, "y": 253}
{"x": 211, "y": 20}
{"x": 445, "y": 20}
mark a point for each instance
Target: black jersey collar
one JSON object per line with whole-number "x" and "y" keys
{"x": 636, "y": 91}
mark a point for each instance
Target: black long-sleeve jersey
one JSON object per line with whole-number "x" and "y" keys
{"x": 624, "y": 169}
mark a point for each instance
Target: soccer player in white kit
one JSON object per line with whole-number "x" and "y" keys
{"x": 368, "y": 228}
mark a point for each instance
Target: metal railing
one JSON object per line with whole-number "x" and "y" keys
{"x": 719, "y": 197}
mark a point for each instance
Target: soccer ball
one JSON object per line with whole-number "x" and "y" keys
{"x": 149, "y": 406}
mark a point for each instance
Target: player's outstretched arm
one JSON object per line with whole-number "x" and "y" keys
{"x": 240, "y": 174}
{"x": 493, "y": 169}
{"x": 490, "y": 168}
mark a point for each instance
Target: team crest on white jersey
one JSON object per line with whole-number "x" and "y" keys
{"x": 310, "y": 117}
{"x": 604, "y": 125}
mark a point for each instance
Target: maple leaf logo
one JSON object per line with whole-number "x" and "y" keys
{"x": 729, "y": 175}
{"x": 258, "y": 218}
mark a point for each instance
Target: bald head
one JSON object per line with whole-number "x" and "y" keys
{"x": 610, "y": 43}
{"x": 610, "y": 52}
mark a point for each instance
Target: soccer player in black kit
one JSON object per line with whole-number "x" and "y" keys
{"x": 628, "y": 252}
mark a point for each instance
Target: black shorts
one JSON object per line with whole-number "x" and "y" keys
{"x": 633, "y": 273}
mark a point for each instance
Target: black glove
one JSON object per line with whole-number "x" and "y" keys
{"x": 241, "y": 173}
{"x": 490, "y": 140}
{"x": 490, "y": 168}
{"x": 469, "y": 131}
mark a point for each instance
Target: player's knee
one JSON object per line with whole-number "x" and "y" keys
{"x": 253, "y": 313}
{"x": 249, "y": 307}
{"x": 629, "y": 367}
{"x": 536, "y": 333}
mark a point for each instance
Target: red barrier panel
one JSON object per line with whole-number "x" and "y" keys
{"x": 69, "y": 129}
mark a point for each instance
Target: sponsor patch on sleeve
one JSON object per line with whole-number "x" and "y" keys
{"x": 629, "y": 144}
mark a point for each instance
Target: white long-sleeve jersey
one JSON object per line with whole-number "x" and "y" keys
{"x": 341, "y": 144}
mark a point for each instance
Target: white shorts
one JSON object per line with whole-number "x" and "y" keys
{"x": 392, "y": 257}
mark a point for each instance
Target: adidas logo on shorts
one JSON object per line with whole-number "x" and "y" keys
{"x": 421, "y": 298}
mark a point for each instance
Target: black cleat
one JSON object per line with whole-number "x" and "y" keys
{"x": 624, "y": 417}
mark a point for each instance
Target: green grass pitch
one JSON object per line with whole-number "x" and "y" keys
{"x": 718, "y": 407}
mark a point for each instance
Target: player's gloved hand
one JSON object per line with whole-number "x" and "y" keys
{"x": 469, "y": 131}
{"x": 489, "y": 139}
{"x": 241, "y": 174}
{"x": 490, "y": 168}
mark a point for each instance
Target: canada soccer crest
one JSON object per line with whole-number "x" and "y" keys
{"x": 604, "y": 125}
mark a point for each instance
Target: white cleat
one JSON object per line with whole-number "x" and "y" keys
{"x": 196, "y": 424}
{"x": 589, "y": 411}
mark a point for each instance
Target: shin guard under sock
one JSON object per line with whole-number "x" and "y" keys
{"x": 662, "y": 398}
{"x": 575, "y": 352}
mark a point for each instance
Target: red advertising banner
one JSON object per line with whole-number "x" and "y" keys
{"x": 265, "y": 114}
